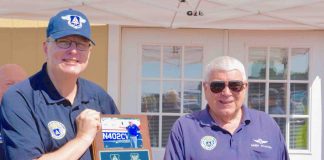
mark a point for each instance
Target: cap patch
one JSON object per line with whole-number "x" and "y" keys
{"x": 57, "y": 129}
{"x": 74, "y": 21}
{"x": 208, "y": 142}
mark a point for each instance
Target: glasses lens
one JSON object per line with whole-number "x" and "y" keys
{"x": 217, "y": 86}
{"x": 65, "y": 44}
{"x": 83, "y": 46}
{"x": 236, "y": 86}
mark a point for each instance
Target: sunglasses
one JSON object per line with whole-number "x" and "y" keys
{"x": 218, "y": 86}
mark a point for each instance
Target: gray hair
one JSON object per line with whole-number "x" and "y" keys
{"x": 224, "y": 63}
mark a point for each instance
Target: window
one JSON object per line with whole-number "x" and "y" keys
{"x": 171, "y": 86}
{"x": 278, "y": 85}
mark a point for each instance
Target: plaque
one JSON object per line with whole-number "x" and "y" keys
{"x": 122, "y": 137}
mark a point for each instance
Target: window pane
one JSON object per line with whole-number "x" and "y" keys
{"x": 277, "y": 98}
{"x": 150, "y": 96}
{"x": 193, "y": 57}
{"x": 172, "y": 61}
{"x": 282, "y": 125}
{"x": 153, "y": 124}
{"x": 299, "y": 63}
{"x": 298, "y": 99}
{"x": 171, "y": 96}
{"x": 278, "y": 63}
{"x": 167, "y": 122}
{"x": 151, "y": 61}
{"x": 257, "y": 63}
{"x": 298, "y": 133}
{"x": 192, "y": 96}
{"x": 256, "y": 98}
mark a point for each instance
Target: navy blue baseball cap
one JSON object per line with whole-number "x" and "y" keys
{"x": 69, "y": 22}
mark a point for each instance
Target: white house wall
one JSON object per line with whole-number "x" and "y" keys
{"x": 222, "y": 42}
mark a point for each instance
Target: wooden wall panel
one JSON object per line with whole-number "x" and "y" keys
{"x": 24, "y": 48}
{"x": 97, "y": 70}
{"x": 5, "y": 45}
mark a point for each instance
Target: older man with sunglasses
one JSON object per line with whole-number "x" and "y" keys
{"x": 225, "y": 129}
{"x": 55, "y": 114}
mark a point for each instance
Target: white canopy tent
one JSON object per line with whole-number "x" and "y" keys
{"x": 220, "y": 14}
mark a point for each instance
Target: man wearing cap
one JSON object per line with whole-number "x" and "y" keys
{"x": 55, "y": 114}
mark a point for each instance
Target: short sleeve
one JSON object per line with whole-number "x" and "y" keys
{"x": 20, "y": 136}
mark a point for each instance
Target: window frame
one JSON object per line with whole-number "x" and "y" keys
{"x": 288, "y": 82}
{"x": 162, "y": 79}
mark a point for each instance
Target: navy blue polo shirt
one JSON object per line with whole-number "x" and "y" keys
{"x": 36, "y": 119}
{"x": 197, "y": 137}
{"x": 1, "y": 149}
{"x": 132, "y": 130}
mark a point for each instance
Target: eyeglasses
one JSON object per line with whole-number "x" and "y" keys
{"x": 65, "y": 44}
{"x": 219, "y": 86}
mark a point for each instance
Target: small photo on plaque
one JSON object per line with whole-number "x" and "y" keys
{"x": 122, "y": 137}
{"x": 121, "y": 132}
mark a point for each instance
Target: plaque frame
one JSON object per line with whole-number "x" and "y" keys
{"x": 98, "y": 144}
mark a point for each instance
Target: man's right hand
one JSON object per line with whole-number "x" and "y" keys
{"x": 88, "y": 123}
